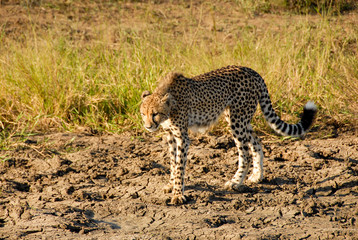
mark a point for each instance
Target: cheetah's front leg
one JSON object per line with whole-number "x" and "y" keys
{"x": 173, "y": 155}
{"x": 182, "y": 141}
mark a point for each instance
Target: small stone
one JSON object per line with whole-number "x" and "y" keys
{"x": 250, "y": 210}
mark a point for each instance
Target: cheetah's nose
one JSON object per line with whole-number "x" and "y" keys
{"x": 151, "y": 128}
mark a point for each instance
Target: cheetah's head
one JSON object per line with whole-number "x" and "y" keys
{"x": 155, "y": 109}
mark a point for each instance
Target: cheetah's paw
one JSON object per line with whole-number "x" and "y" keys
{"x": 178, "y": 199}
{"x": 230, "y": 185}
{"x": 255, "y": 178}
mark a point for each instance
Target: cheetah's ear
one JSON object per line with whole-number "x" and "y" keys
{"x": 145, "y": 94}
{"x": 168, "y": 99}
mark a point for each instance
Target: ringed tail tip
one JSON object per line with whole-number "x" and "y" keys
{"x": 310, "y": 106}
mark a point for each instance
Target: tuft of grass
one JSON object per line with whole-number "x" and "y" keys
{"x": 322, "y": 7}
{"x": 90, "y": 74}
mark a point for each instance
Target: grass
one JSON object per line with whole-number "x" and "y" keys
{"x": 91, "y": 72}
{"x": 322, "y": 7}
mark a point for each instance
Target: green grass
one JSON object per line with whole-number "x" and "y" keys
{"x": 93, "y": 75}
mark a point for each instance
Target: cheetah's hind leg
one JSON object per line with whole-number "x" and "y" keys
{"x": 257, "y": 156}
{"x": 240, "y": 131}
{"x": 236, "y": 182}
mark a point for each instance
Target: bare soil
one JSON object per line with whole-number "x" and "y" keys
{"x": 95, "y": 186}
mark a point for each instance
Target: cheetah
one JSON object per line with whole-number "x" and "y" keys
{"x": 180, "y": 103}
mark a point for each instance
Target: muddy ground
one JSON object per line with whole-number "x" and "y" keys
{"x": 101, "y": 186}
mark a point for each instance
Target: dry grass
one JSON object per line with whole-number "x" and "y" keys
{"x": 65, "y": 64}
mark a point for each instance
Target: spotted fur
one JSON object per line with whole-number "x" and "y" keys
{"x": 180, "y": 103}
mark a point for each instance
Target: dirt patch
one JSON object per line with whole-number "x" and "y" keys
{"x": 81, "y": 185}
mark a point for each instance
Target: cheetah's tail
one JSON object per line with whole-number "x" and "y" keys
{"x": 283, "y": 128}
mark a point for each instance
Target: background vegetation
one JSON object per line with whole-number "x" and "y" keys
{"x": 66, "y": 64}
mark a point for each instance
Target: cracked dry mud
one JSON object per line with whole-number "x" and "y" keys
{"x": 85, "y": 186}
